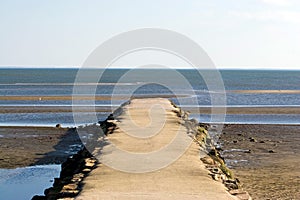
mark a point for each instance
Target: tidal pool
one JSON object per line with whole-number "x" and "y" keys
{"x": 24, "y": 183}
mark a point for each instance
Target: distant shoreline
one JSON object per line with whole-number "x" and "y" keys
{"x": 291, "y": 110}
{"x": 248, "y": 68}
{"x": 266, "y": 91}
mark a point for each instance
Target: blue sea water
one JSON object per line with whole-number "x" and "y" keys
{"x": 60, "y": 82}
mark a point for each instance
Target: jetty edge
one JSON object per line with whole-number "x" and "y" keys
{"x": 189, "y": 177}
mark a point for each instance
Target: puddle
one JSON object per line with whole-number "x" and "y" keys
{"x": 235, "y": 150}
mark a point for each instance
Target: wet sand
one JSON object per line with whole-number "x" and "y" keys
{"x": 81, "y": 97}
{"x": 203, "y": 110}
{"x": 249, "y": 110}
{"x": 270, "y": 170}
{"x": 125, "y": 97}
{"x": 266, "y": 91}
{"x": 25, "y": 146}
{"x": 265, "y": 158}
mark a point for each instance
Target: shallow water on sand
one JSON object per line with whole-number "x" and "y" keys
{"x": 46, "y": 119}
{"x": 25, "y": 182}
{"x": 290, "y": 119}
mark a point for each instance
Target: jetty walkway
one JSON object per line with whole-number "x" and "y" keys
{"x": 151, "y": 156}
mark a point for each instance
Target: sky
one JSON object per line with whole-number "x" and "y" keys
{"x": 234, "y": 33}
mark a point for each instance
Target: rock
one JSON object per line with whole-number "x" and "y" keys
{"x": 271, "y": 151}
{"x": 206, "y": 126}
{"x": 235, "y": 141}
{"x": 46, "y": 191}
{"x": 219, "y": 148}
{"x": 68, "y": 193}
{"x": 216, "y": 170}
{"x": 79, "y": 175}
{"x": 252, "y": 139}
{"x": 208, "y": 160}
{"x": 231, "y": 185}
{"x": 89, "y": 164}
{"x": 110, "y": 117}
{"x": 216, "y": 177}
{"x": 37, "y": 197}
{"x": 223, "y": 177}
{"x": 227, "y": 171}
{"x": 58, "y": 126}
{"x": 71, "y": 186}
{"x": 200, "y": 137}
{"x": 202, "y": 130}
{"x": 262, "y": 142}
{"x": 213, "y": 127}
{"x": 76, "y": 180}
{"x": 214, "y": 154}
{"x": 113, "y": 121}
{"x": 247, "y": 151}
{"x": 177, "y": 111}
{"x": 73, "y": 171}
{"x": 91, "y": 160}
{"x": 86, "y": 170}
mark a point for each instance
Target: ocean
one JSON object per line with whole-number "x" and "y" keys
{"x": 43, "y": 97}
{"x": 25, "y": 89}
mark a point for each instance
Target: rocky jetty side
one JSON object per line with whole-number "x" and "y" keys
{"x": 213, "y": 160}
{"x": 79, "y": 165}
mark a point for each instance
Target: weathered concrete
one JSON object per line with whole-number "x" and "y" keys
{"x": 186, "y": 178}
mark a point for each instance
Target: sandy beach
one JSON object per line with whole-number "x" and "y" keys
{"x": 264, "y": 175}
{"x": 26, "y": 146}
{"x": 267, "y": 166}
{"x": 265, "y": 158}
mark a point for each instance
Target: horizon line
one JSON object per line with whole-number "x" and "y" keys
{"x": 123, "y": 67}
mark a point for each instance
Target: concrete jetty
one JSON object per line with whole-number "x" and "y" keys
{"x": 151, "y": 156}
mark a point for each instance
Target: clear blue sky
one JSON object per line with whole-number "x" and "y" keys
{"x": 234, "y": 33}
